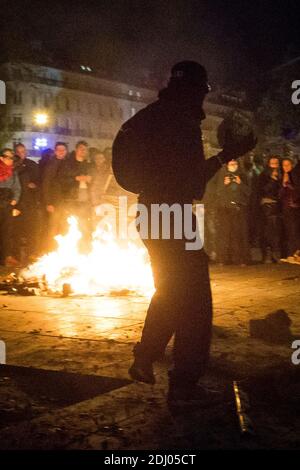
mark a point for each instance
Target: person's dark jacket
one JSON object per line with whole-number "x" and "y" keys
{"x": 295, "y": 177}
{"x": 67, "y": 177}
{"x": 290, "y": 192}
{"x": 267, "y": 187}
{"x": 233, "y": 194}
{"x": 173, "y": 166}
{"x": 51, "y": 187}
{"x": 28, "y": 172}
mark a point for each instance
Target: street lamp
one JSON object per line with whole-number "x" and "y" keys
{"x": 41, "y": 119}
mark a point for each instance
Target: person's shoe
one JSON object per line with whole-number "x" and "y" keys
{"x": 142, "y": 372}
{"x": 195, "y": 396}
{"x": 11, "y": 262}
{"x": 276, "y": 257}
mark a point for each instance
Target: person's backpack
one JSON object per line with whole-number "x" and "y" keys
{"x": 134, "y": 151}
{"x": 127, "y": 160}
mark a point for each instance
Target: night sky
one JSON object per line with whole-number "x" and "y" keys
{"x": 127, "y": 38}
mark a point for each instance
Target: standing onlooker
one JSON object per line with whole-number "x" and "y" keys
{"x": 52, "y": 193}
{"x": 233, "y": 198}
{"x": 26, "y": 226}
{"x": 290, "y": 202}
{"x": 100, "y": 172}
{"x": 251, "y": 171}
{"x": 269, "y": 184}
{"x": 10, "y": 192}
{"x": 75, "y": 181}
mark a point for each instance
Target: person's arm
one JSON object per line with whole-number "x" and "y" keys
{"x": 16, "y": 188}
{"x": 33, "y": 174}
{"x": 68, "y": 173}
{"x": 245, "y": 188}
{"x": 231, "y": 151}
{"x": 49, "y": 174}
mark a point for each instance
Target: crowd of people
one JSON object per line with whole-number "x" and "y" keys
{"x": 36, "y": 198}
{"x": 253, "y": 205}
{"x": 249, "y": 204}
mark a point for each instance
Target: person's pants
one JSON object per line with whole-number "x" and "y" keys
{"x": 181, "y": 306}
{"x": 233, "y": 235}
{"x": 25, "y": 231}
{"x": 6, "y": 231}
{"x": 272, "y": 228}
{"x": 291, "y": 222}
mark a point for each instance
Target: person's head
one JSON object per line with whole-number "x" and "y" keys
{"x": 259, "y": 161}
{"x": 232, "y": 166}
{"x": 187, "y": 87}
{"x": 60, "y": 150}
{"x": 273, "y": 163}
{"x": 248, "y": 161}
{"x": 7, "y": 157}
{"x": 99, "y": 159}
{"x": 287, "y": 165}
{"x": 81, "y": 150}
{"x": 21, "y": 151}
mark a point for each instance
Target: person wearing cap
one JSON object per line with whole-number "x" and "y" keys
{"x": 175, "y": 171}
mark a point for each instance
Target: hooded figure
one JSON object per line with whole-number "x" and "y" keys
{"x": 171, "y": 168}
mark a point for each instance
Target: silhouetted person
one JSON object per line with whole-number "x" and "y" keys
{"x": 233, "y": 199}
{"x": 75, "y": 183}
{"x": 171, "y": 168}
{"x": 100, "y": 172}
{"x": 10, "y": 193}
{"x": 52, "y": 193}
{"x": 290, "y": 204}
{"x": 269, "y": 184}
{"x": 26, "y": 226}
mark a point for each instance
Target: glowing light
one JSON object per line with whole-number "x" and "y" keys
{"x": 40, "y": 142}
{"x": 41, "y": 119}
{"x": 108, "y": 268}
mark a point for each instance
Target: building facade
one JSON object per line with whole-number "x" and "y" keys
{"x": 74, "y": 106}
{"x": 81, "y": 106}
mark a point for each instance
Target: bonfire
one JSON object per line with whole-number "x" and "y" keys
{"x": 110, "y": 267}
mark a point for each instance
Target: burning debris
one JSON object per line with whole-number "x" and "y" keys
{"x": 15, "y": 285}
{"x": 110, "y": 268}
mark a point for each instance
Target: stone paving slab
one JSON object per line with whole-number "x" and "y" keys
{"x": 96, "y": 336}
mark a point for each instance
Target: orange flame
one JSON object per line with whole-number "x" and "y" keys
{"x": 107, "y": 268}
